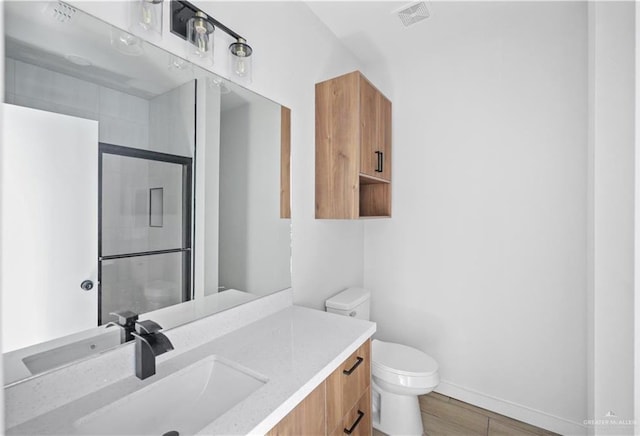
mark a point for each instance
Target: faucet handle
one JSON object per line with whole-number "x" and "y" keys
{"x": 147, "y": 327}
{"x": 126, "y": 318}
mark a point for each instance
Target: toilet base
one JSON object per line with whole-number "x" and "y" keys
{"x": 395, "y": 414}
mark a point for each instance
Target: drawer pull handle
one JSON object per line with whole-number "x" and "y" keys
{"x": 353, "y": 368}
{"x": 355, "y": 424}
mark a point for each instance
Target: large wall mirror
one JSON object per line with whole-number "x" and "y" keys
{"x": 132, "y": 182}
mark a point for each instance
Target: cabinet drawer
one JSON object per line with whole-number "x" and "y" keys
{"x": 347, "y": 384}
{"x": 357, "y": 422}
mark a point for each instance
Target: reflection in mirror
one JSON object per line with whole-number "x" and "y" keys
{"x": 132, "y": 180}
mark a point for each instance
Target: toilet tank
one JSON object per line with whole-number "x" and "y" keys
{"x": 354, "y": 302}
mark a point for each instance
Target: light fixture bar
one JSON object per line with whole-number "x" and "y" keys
{"x": 182, "y": 11}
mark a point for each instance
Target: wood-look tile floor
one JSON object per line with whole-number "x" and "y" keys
{"x": 445, "y": 416}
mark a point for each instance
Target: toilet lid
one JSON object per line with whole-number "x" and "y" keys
{"x": 401, "y": 359}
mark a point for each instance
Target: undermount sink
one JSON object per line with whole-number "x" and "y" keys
{"x": 185, "y": 401}
{"x": 58, "y": 356}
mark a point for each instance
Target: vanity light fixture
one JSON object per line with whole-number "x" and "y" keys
{"x": 146, "y": 15}
{"x": 240, "y": 59}
{"x": 196, "y": 27}
{"x": 200, "y": 37}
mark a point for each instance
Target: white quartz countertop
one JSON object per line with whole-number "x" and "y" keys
{"x": 295, "y": 349}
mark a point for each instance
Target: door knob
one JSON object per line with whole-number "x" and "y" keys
{"x": 87, "y": 285}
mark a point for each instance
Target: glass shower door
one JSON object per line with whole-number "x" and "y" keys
{"x": 144, "y": 230}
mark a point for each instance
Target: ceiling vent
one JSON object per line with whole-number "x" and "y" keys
{"x": 412, "y": 13}
{"x": 60, "y": 12}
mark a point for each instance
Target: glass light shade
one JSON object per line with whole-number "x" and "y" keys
{"x": 240, "y": 60}
{"x": 146, "y": 15}
{"x": 200, "y": 38}
{"x": 219, "y": 85}
{"x": 126, "y": 43}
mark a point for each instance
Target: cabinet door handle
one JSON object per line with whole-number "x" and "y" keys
{"x": 380, "y": 162}
{"x": 353, "y": 368}
{"x": 355, "y": 424}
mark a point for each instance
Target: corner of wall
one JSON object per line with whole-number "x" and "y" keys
{"x": 1, "y": 109}
{"x": 590, "y": 207}
{"x": 637, "y": 231}
{"x": 613, "y": 145}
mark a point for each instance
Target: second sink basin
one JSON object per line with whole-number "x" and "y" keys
{"x": 185, "y": 401}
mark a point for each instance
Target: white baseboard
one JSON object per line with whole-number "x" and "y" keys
{"x": 512, "y": 410}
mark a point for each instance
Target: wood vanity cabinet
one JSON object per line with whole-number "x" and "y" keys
{"x": 340, "y": 405}
{"x": 308, "y": 418}
{"x": 353, "y": 149}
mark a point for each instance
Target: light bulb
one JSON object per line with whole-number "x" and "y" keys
{"x": 199, "y": 31}
{"x": 146, "y": 15}
{"x": 241, "y": 67}
{"x": 202, "y": 41}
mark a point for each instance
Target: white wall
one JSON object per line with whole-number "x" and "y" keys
{"x": 234, "y": 187}
{"x": 207, "y": 190}
{"x": 254, "y": 240}
{"x": 611, "y": 231}
{"x": 484, "y": 264}
{"x": 172, "y": 121}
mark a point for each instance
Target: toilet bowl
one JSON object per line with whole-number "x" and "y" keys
{"x": 398, "y": 373}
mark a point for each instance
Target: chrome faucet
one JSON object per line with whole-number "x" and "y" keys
{"x": 149, "y": 344}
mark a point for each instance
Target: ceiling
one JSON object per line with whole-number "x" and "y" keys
{"x": 371, "y": 30}
{"x": 375, "y": 35}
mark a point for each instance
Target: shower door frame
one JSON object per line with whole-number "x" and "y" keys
{"x": 187, "y": 206}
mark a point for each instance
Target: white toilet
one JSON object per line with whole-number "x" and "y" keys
{"x": 398, "y": 373}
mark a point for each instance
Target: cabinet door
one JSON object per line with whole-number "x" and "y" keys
{"x": 375, "y": 132}
{"x": 337, "y": 147}
{"x": 384, "y": 136}
{"x": 369, "y": 131}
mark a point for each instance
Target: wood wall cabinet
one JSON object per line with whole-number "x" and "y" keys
{"x": 340, "y": 405}
{"x": 353, "y": 149}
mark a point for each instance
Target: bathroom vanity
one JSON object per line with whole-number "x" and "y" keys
{"x": 287, "y": 367}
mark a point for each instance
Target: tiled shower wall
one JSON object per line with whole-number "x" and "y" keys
{"x": 123, "y": 118}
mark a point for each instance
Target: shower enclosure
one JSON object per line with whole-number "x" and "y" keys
{"x": 144, "y": 239}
